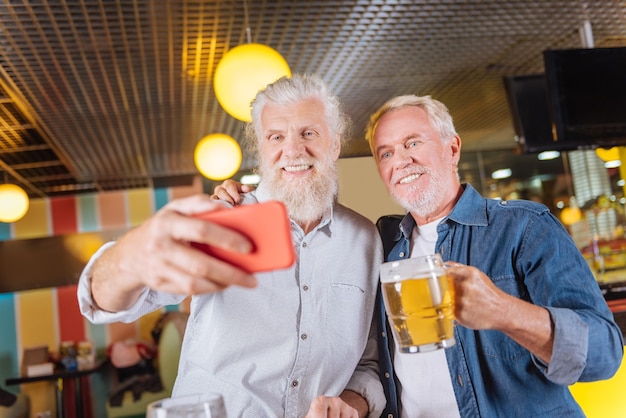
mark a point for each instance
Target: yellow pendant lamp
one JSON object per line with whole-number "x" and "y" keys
{"x": 13, "y": 203}
{"x": 217, "y": 156}
{"x": 243, "y": 71}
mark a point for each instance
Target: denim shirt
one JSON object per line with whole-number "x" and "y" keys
{"x": 527, "y": 253}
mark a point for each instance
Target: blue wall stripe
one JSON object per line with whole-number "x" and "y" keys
{"x": 5, "y": 231}
{"x": 88, "y": 215}
{"x": 161, "y": 197}
{"x": 98, "y": 336}
{"x": 8, "y": 348}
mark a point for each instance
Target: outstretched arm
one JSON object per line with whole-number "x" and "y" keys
{"x": 158, "y": 255}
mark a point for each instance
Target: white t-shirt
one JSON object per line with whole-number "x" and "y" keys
{"x": 426, "y": 388}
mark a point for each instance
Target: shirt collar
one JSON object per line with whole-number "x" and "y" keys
{"x": 471, "y": 209}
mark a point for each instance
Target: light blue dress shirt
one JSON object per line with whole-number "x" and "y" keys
{"x": 303, "y": 332}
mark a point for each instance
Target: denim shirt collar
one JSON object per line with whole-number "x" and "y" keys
{"x": 471, "y": 209}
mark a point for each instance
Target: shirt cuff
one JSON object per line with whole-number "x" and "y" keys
{"x": 569, "y": 351}
{"x": 148, "y": 301}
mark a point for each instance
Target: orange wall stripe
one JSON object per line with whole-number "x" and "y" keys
{"x": 36, "y": 222}
{"x": 71, "y": 322}
{"x": 112, "y": 208}
{"x": 64, "y": 220}
{"x": 140, "y": 205}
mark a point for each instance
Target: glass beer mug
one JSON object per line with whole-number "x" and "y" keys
{"x": 418, "y": 300}
{"x": 208, "y": 405}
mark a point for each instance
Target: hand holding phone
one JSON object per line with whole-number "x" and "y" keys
{"x": 266, "y": 225}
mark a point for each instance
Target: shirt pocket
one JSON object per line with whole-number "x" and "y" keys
{"x": 511, "y": 285}
{"x": 346, "y": 305}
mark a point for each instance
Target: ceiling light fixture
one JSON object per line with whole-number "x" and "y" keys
{"x": 217, "y": 156}
{"x": 502, "y": 173}
{"x": 243, "y": 71}
{"x": 548, "y": 155}
{"x": 612, "y": 164}
{"x": 13, "y": 203}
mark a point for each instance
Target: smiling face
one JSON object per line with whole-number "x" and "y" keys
{"x": 297, "y": 153}
{"x": 417, "y": 166}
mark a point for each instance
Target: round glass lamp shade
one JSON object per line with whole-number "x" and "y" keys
{"x": 13, "y": 203}
{"x": 242, "y": 72}
{"x": 571, "y": 215}
{"x": 217, "y": 156}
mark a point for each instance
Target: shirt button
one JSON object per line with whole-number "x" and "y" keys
{"x": 402, "y": 254}
{"x": 294, "y": 383}
{"x": 304, "y": 336}
{"x": 304, "y": 244}
{"x": 387, "y": 375}
{"x": 390, "y": 416}
{"x": 384, "y": 334}
{"x": 460, "y": 380}
{"x": 305, "y": 288}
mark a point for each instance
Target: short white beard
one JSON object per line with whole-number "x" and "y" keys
{"x": 306, "y": 199}
{"x": 423, "y": 202}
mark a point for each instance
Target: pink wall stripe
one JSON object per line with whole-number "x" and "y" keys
{"x": 112, "y": 206}
{"x": 195, "y": 188}
{"x": 64, "y": 219}
{"x": 120, "y": 331}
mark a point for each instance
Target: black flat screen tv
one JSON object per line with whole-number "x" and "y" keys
{"x": 527, "y": 96}
{"x": 587, "y": 96}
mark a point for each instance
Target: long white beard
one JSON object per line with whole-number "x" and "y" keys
{"x": 307, "y": 199}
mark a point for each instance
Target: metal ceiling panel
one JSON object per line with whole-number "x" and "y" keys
{"x": 102, "y": 95}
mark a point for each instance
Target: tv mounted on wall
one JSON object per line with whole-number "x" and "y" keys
{"x": 527, "y": 96}
{"x": 587, "y": 96}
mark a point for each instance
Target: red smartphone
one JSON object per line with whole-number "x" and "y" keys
{"x": 266, "y": 224}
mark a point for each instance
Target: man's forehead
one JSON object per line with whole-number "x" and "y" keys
{"x": 299, "y": 114}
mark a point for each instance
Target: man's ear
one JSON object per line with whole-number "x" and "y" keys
{"x": 336, "y": 147}
{"x": 455, "y": 148}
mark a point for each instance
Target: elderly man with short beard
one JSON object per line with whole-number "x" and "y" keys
{"x": 287, "y": 343}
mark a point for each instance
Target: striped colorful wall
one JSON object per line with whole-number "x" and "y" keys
{"x": 50, "y": 316}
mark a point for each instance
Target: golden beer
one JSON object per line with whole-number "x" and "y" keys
{"x": 418, "y": 299}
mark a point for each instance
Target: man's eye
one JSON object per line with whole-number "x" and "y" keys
{"x": 385, "y": 155}
{"x": 412, "y": 144}
{"x": 308, "y": 133}
{"x": 275, "y": 138}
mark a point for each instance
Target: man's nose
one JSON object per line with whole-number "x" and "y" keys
{"x": 294, "y": 145}
{"x": 401, "y": 157}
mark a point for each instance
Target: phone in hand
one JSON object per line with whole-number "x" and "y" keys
{"x": 266, "y": 225}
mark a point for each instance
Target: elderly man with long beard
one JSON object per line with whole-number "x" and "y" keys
{"x": 287, "y": 343}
